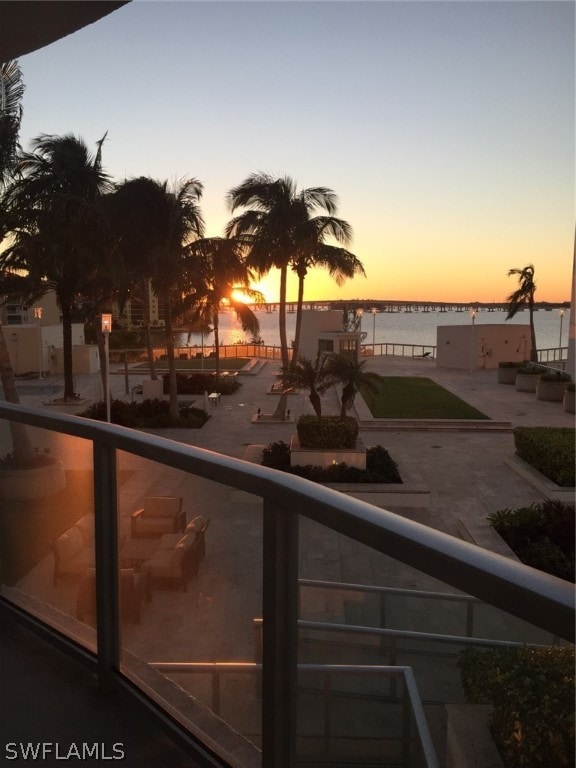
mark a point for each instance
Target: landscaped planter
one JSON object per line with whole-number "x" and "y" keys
{"x": 526, "y": 382}
{"x": 302, "y": 457}
{"x": 551, "y": 391}
{"x": 507, "y": 373}
{"x": 33, "y": 482}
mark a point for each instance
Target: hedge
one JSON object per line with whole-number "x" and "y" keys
{"x": 327, "y": 432}
{"x": 542, "y": 535}
{"x": 149, "y": 414}
{"x": 532, "y": 694}
{"x": 550, "y": 450}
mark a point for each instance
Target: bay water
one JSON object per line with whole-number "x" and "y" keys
{"x": 395, "y": 327}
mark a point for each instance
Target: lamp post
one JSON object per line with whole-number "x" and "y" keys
{"x": 38, "y": 316}
{"x": 561, "y": 313}
{"x": 374, "y": 310}
{"x": 473, "y": 314}
{"x": 106, "y": 328}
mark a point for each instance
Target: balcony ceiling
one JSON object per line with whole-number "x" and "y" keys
{"x": 27, "y": 25}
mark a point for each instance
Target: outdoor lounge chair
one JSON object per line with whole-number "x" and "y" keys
{"x": 134, "y": 588}
{"x": 174, "y": 563}
{"x": 158, "y": 515}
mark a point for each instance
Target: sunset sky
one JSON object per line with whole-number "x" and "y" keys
{"x": 446, "y": 128}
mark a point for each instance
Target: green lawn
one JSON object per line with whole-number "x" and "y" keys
{"x": 416, "y": 397}
{"x": 226, "y": 364}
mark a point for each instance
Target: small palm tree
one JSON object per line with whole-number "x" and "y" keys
{"x": 213, "y": 272}
{"x": 346, "y": 369}
{"x": 308, "y": 375}
{"x": 524, "y": 296}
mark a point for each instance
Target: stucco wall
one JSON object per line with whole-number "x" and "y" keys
{"x": 471, "y": 347}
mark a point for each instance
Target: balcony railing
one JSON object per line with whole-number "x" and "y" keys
{"x": 271, "y": 519}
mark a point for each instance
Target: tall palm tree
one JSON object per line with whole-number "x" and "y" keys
{"x": 347, "y": 370}
{"x": 154, "y": 223}
{"x": 60, "y": 235}
{"x": 524, "y": 296}
{"x": 276, "y": 210}
{"x": 11, "y": 93}
{"x": 312, "y": 251}
{"x": 215, "y": 271}
{"x": 312, "y": 376}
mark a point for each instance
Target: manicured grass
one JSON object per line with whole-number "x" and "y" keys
{"x": 226, "y": 364}
{"x": 28, "y": 529}
{"x": 416, "y": 397}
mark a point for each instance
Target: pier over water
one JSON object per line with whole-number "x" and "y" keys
{"x": 389, "y": 305}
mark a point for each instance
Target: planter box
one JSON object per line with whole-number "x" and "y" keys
{"x": 551, "y": 391}
{"x": 526, "y": 382}
{"x": 507, "y": 375}
{"x": 302, "y": 457}
{"x": 33, "y": 483}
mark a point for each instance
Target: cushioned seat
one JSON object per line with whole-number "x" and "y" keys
{"x": 134, "y": 587}
{"x": 175, "y": 562}
{"x": 158, "y": 515}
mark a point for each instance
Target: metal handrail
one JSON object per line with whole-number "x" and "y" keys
{"x": 216, "y": 669}
{"x": 541, "y": 599}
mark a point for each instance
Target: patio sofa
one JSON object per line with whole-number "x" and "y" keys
{"x": 134, "y": 588}
{"x": 158, "y": 515}
{"x": 177, "y": 557}
{"x": 74, "y": 550}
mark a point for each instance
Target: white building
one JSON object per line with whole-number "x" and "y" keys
{"x": 322, "y": 332}
{"x": 472, "y": 347}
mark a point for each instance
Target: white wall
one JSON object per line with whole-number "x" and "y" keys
{"x": 472, "y": 347}
{"x": 33, "y": 346}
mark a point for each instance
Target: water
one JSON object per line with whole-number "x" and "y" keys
{"x": 395, "y": 327}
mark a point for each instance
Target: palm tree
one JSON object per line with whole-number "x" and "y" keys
{"x": 312, "y": 376}
{"x": 314, "y": 252}
{"x": 269, "y": 229}
{"x": 521, "y": 297}
{"x": 11, "y": 93}
{"x": 215, "y": 271}
{"x": 346, "y": 369}
{"x": 60, "y": 235}
{"x": 154, "y": 224}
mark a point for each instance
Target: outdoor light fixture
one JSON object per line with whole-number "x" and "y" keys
{"x": 106, "y": 328}
{"x": 38, "y": 316}
{"x": 561, "y": 313}
{"x": 374, "y": 310}
{"x": 473, "y": 314}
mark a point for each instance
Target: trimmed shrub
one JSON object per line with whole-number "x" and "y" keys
{"x": 532, "y": 694}
{"x": 511, "y": 363}
{"x": 550, "y": 450}
{"x": 556, "y": 376}
{"x": 380, "y": 467}
{"x": 530, "y": 369}
{"x": 542, "y": 535}
{"x": 327, "y": 432}
{"x": 149, "y": 414}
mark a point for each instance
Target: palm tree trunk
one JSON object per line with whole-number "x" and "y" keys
{"x": 299, "y": 304}
{"x": 534, "y": 351}
{"x": 22, "y": 449}
{"x": 172, "y": 385}
{"x": 149, "y": 348}
{"x": 217, "y": 344}
{"x": 280, "y": 412}
{"x": 66, "y": 310}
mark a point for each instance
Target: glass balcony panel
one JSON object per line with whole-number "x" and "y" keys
{"x": 192, "y": 590}
{"x": 47, "y": 518}
{"x": 427, "y": 624}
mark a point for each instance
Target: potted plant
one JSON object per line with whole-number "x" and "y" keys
{"x": 568, "y": 399}
{"x": 527, "y": 377}
{"x": 551, "y": 386}
{"x": 507, "y": 370}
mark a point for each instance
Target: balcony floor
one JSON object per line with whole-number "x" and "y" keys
{"x": 47, "y": 697}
